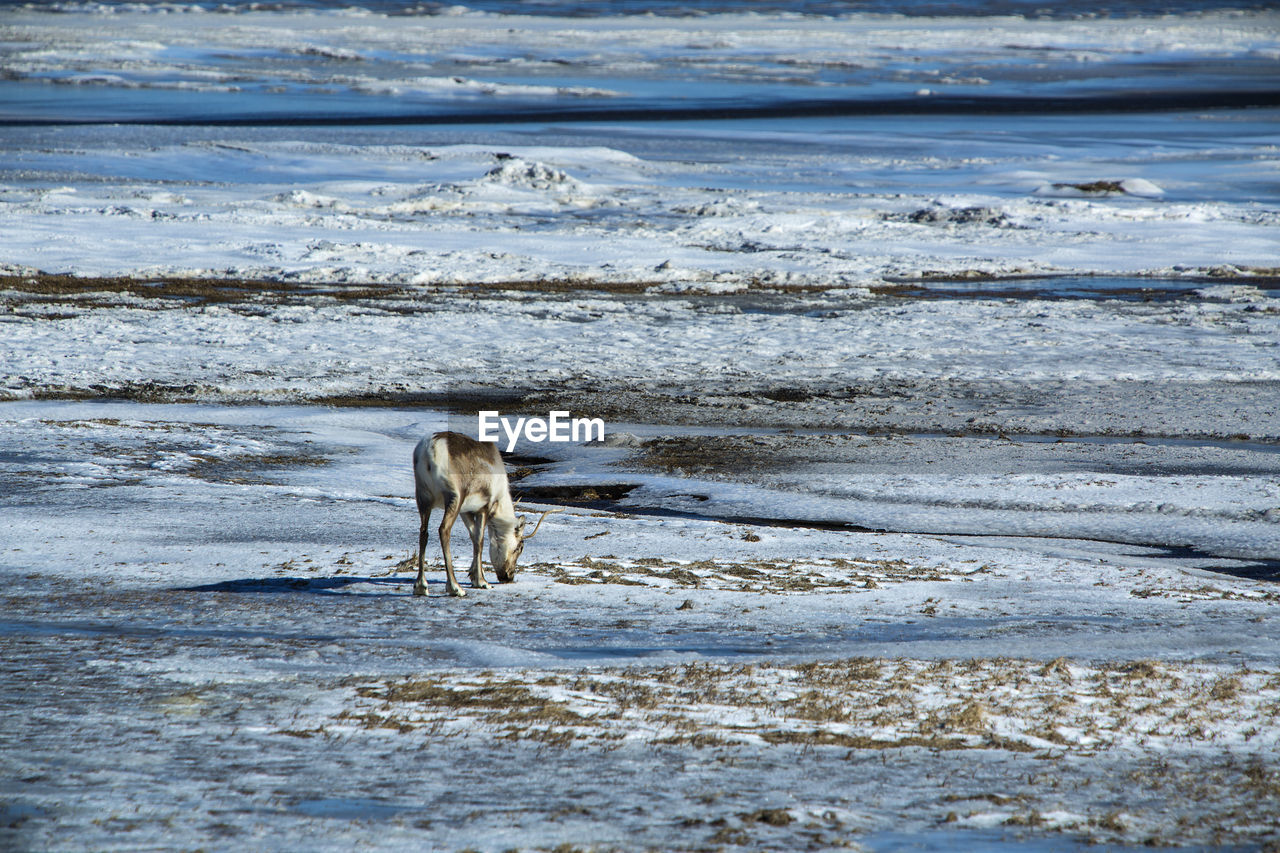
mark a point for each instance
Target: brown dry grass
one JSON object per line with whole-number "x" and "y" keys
{"x": 185, "y": 292}
{"x": 859, "y": 703}
{"x": 763, "y": 576}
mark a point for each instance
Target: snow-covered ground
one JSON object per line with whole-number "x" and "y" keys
{"x": 940, "y": 506}
{"x": 210, "y": 640}
{"x": 837, "y": 215}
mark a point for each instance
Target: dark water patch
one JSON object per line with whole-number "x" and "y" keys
{"x": 526, "y": 459}
{"x": 378, "y": 115}
{"x": 589, "y": 496}
{"x": 464, "y": 401}
{"x": 1071, "y": 287}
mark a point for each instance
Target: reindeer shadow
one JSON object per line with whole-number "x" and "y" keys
{"x": 337, "y": 585}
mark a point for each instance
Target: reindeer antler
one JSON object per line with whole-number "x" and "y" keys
{"x": 540, "y": 520}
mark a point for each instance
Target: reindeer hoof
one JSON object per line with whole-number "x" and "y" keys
{"x": 458, "y": 591}
{"x": 419, "y": 589}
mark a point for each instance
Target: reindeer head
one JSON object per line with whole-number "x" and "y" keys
{"x": 505, "y": 550}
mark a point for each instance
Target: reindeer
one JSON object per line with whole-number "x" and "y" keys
{"x": 466, "y": 477}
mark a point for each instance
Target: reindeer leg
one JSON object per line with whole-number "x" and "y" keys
{"x": 420, "y": 585}
{"x": 451, "y": 507}
{"x": 477, "y": 542}
{"x": 469, "y": 522}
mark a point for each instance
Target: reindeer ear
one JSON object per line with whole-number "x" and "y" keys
{"x": 524, "y": 521}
